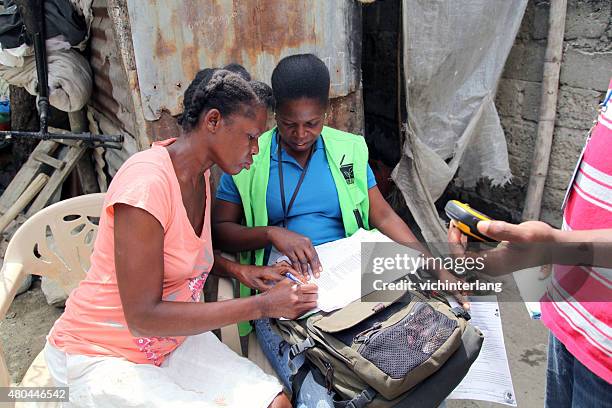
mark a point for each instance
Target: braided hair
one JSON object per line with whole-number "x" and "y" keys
{"x": 264, "y": 93}
{"x": 301, "y": 76}
{"x": 215, "y": 88}
{"x": 238, "y": 69}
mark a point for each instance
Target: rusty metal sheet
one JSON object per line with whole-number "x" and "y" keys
{"x": 173, "y": 39}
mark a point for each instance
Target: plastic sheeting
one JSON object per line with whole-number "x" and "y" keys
{"x": 454, "y": 54}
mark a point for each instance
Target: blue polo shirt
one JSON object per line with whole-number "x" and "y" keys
{"x": 316, "y": 210}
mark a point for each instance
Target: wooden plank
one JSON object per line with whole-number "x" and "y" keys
{"x": 51, "y": 161}
{"x": 56, "y": 179}
{"x": 26, "y": 174}
{"x": 23, "y": 200}
{"x": 87, "y": 176}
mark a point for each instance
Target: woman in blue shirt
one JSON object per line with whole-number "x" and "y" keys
{"x": 310, "y": 212}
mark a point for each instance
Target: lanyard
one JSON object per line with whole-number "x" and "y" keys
{"x": 281, "y": 181}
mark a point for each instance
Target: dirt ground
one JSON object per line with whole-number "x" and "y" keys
{"x": 23, "y": 330}
{"x": 27, "y": 322}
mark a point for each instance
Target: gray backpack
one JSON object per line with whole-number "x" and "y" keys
{"x": 409, "y": 351}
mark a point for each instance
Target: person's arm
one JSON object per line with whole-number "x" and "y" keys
{"x": 261, "y": 278}
{"x": 551, "y": 245}
{"x": 139, "y": 264}
{"x": 231, "y": 236}
{"x": 384, "y": 218}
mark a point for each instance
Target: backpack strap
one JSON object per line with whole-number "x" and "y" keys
{"x": 296, "y": 380}
{"x": 458, "y": 311}
{"x": 360, "y": 401}
{"x": 298, "y": 349}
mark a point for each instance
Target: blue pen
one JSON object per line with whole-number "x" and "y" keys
{"x": 290, "y": 276}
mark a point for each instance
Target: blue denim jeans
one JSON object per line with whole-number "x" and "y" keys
{"x": 571, "y": 384}
{"x": 312, "y": 394}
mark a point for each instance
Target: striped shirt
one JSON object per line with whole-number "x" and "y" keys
{"x": 576, "y": 307}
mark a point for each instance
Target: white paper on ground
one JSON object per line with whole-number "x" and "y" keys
{"x": 489, "y": 377}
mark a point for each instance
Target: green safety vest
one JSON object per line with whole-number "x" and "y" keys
{"x": 347, "y": 155}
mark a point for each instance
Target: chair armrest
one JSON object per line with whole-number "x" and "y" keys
{"x": 11, "y": 276}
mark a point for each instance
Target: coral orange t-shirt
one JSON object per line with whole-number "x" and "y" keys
{"x": 94, "y": 323}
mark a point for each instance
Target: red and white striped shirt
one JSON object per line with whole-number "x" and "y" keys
{"x": 576, "y": 307}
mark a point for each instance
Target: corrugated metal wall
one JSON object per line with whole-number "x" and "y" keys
{"x": 111, "y": 106}
{"x": 173, "y": 39}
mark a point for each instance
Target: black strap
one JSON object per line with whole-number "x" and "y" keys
{"x": 297, "y": 380}
{"x": 458, "y": 311}
{"x": 282, "y": 183}
{"x": 358, "y": 218}
{"x": 360, "y": 401}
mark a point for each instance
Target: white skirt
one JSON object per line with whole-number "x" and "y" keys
{"x": 201, "y": 372}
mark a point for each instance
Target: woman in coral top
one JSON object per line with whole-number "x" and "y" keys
{"x": 134, "y": 332}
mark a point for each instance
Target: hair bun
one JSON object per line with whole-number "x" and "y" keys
{"x": 217, "y": 82}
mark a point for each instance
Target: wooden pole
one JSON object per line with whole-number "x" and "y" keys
{"x": 548, "y": 110}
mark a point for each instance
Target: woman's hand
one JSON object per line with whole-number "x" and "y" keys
{"x": 263, "y": 278}
{"x": 288, "y": 299}
{"x": 298, "y": 249}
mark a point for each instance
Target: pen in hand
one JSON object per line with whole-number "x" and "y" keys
{"x": 293, "y": 278}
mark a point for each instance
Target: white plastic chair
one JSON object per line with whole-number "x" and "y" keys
{"x": 57, "y": 242}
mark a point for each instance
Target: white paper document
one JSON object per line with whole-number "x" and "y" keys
{"x": 489, "y": 377}
{"x": 340, "y": 281}
{"x": 531, "y": 288}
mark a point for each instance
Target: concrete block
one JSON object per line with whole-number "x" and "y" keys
{"x": 531, "y": 101}
{"x": 551, "y": 208}
{"x": 586, "y": 70}
{"x": 509, "y": 97}
{"x": 53, "y": 292}
{"x": 587, "y": 19}
{"x": 520, "y": 136}
{"x": 525, "y": 61}
{"x": 25, "y": 285}
{"x": 602, "y": 44}
{"x": 566, "y": 147}
{"x": 577, "y": 107}
{"x": 526, "y": 28}
{"x": 540, "y": 21}
{"x": 552, "y": 199}
{"x": 519, "y": 166}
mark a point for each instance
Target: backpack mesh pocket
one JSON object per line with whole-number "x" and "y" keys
{"x": 398, "y": 349}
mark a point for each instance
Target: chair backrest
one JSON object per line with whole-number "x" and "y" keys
{"x": 58, "y": 240}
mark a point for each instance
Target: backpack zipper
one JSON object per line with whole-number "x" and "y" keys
{"x": 364, "y": 336}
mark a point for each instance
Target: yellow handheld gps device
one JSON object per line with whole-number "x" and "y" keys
{"x": 466, "y": 218}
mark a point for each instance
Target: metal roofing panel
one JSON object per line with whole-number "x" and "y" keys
{"x": 173, "y": 39}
